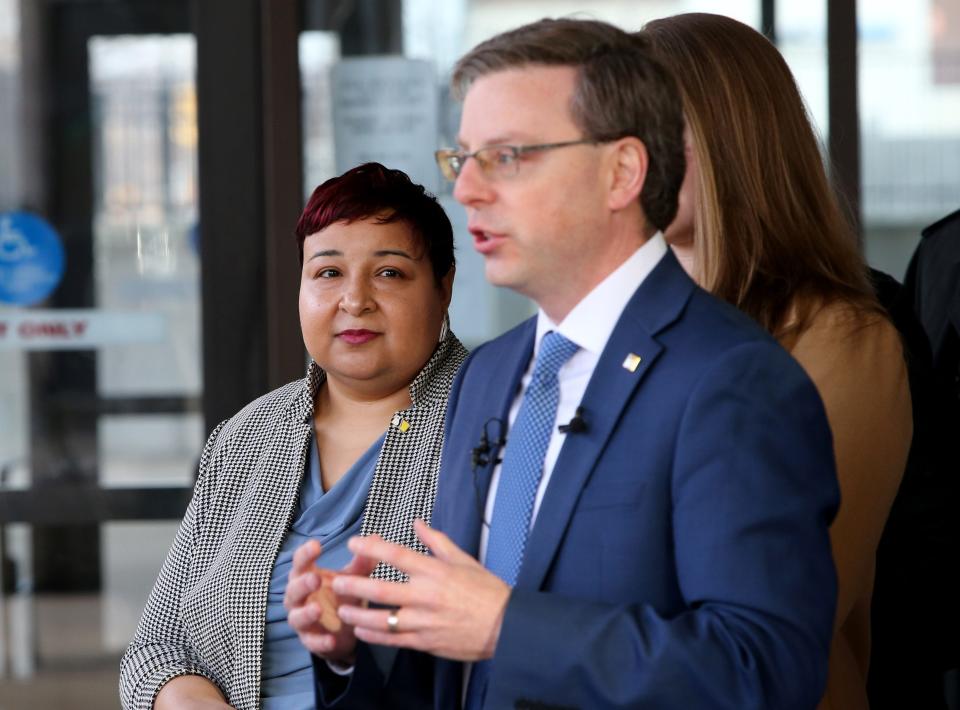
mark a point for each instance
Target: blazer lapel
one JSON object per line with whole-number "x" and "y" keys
{"x": 269, "y": 501}
{"x": 630, "y": 353}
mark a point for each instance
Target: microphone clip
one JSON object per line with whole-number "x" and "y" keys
{"x": 577, "y": 425}
{"x": 480, "y": 454}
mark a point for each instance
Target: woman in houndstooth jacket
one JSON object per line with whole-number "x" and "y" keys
{"x": 378, "y": 267}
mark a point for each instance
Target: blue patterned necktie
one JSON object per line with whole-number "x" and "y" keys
{"x": 522, "y": 468}
{"x": 520, "y": 476}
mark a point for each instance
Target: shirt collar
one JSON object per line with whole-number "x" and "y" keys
{"x": 592, "y": 320}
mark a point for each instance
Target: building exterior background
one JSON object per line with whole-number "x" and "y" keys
{"x": 171, "y": 146}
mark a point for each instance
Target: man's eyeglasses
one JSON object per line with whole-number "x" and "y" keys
{"x": 495, "y": 161}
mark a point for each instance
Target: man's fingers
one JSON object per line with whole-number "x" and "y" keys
{"x": 408, "y": 619}
{"x": 385, "y": 638}
{"x": 371, "y": 590}
{"x": 375, "y": 547}
{"x": 361, "y": 566}
{"x": 409, "y": 629}
{"x": 441, "y": 546}
{"x": 304, "y": 556}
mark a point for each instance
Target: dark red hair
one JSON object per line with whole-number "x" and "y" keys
{"x": 373, "y": 191}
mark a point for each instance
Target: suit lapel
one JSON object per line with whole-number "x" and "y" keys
{"x": 629, "y": 355}
{"x": 487, "y": 391}
{"x": 506, "y": 370}
{"x": 610, "y": 388}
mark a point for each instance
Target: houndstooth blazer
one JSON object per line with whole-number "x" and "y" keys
{"x": 205, "y": 615}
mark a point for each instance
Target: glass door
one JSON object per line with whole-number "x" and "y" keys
{"x": 101, "y": 376}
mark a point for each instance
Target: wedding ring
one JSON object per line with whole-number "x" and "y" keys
{"x": 393, "y": 623}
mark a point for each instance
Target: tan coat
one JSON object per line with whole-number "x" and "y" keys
{"x": 856, "y": 362}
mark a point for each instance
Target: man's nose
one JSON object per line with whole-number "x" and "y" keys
{"x": 472, "y": 185}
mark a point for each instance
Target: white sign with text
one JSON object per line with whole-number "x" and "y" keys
{"x": 78, "y": 329}
{"x": 385, "y": 110}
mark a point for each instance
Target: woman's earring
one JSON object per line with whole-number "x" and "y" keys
{"x": 445, "y": 327}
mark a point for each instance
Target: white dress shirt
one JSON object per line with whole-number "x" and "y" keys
{"x": 589, "y": 325}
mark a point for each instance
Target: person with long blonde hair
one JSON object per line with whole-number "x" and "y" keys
{"x": 759, "y": 226}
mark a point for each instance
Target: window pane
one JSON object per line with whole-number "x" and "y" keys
{"x": 101, "y": 388}
{"x": 132, "y": 553}
{"x": 145, "y": 207}
{"x": 802, "y": 39}
{"x": 319, "y": 51}
{"x": 910, "y": 123}
{"x": 143, "y": 450}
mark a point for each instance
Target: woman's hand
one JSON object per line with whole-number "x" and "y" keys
{"x": 190, "y": 692}
{"x": 312, "y": 605}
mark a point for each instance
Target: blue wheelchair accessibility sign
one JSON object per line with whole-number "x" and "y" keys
{"x": 31, "y": 259}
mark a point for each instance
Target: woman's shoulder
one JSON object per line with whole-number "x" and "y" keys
{"x": 846, "y": 330}
{"x": 266, "y": 411}
{"x": 855, "y": 358}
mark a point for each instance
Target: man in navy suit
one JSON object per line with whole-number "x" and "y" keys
{"x": 637, "y": 483}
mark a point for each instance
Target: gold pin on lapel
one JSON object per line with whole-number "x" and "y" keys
{"x": 632, "y": 362}
{"x": 402, "y": 424}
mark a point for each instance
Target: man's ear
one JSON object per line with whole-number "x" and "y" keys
{"x": 628, "y": 170}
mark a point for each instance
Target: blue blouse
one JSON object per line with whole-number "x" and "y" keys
{"x": 330, "y": 517}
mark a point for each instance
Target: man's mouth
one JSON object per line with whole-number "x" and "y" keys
{"x": 485, "y": 241}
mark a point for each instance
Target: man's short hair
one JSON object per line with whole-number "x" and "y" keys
{"x": 621, "y": 90}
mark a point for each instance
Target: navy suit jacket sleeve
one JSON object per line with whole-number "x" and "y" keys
{"x": 751, "y": 490}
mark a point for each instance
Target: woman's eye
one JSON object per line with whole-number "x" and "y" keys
{"x": 327, "y": 273}
{"x": 391, "y": 273}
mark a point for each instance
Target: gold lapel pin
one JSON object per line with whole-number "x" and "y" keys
{"x": 632, "y": 362}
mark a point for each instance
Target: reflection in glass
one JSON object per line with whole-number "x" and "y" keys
{"x": 145, "y": 206}
{"x": 132, "y": 553}
{"x": 802, "y": 40}
{"x": 142, "y": 450}
{"x": 319, "y": 51}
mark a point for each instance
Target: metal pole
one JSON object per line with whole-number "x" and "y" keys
{"x": 843, "y": 100}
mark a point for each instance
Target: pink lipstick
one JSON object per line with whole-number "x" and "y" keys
{"x": 357, "y": 337}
